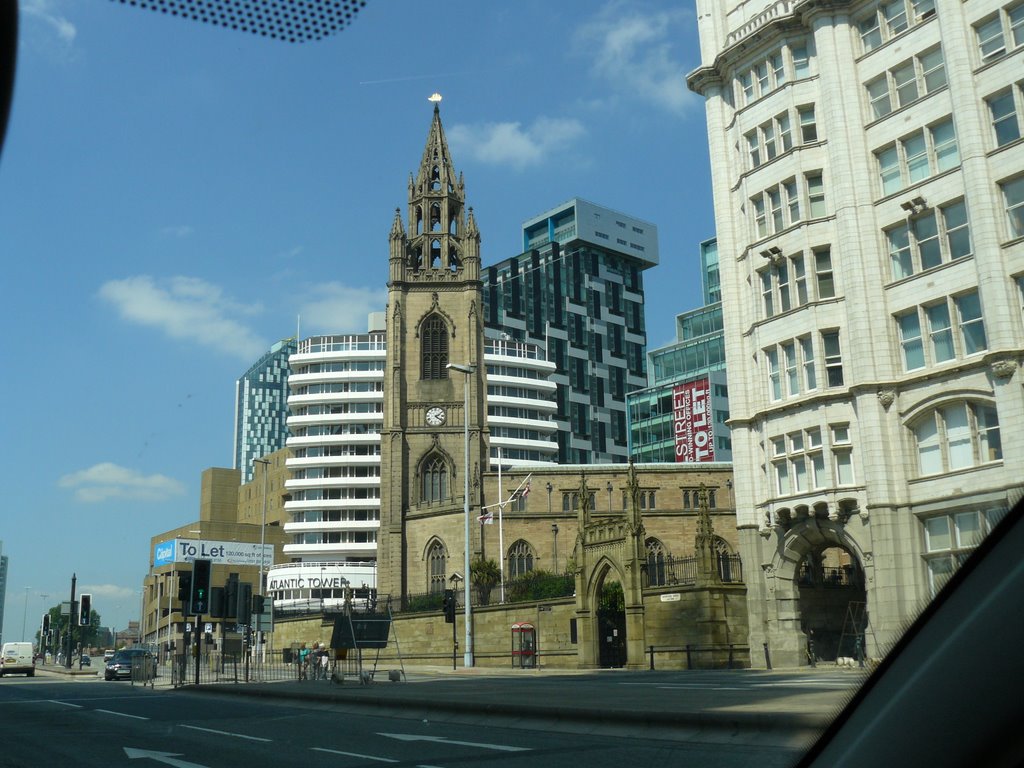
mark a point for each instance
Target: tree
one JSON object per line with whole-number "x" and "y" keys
{"x": 484, "y": 575}
{"x": 85, "y": 636}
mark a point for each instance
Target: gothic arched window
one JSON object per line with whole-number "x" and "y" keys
{"x": 655, "y": 562}
{"x": 520, "y": 559}
{"x": 436, "y": 563}
{"x": 434, "y": 343}
{"x": 435, "y": 479}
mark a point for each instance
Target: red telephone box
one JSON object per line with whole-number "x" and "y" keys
{"x": 524, "y": 645}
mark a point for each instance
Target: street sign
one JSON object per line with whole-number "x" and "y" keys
{"x": 209, "y": 628}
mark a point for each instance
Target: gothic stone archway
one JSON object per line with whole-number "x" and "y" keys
{"x": 609, "y": 547}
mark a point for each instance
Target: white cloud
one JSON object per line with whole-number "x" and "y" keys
{"x": 185, "y": 308}
{"x": 512, "y": 144}
{"x": 104, "y": 481}
{"x": 109, "y": 592}
{"x": 45, "y": 11}
{"x": 632, "y": 52}
{"x": 177, "y": 230}
{"x": 338, "y": 308}
{"x": 289, "y": 253}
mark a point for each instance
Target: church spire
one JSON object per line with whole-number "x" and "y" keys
{"x": 440, "y": 246}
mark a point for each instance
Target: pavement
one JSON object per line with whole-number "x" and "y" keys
{"x": 781, "y": 707}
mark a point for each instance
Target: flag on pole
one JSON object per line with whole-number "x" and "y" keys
{"x": 487, "y": 518}
{"x": 521, "y": 493}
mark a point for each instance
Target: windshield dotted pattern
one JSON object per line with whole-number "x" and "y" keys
{"x": 293, "y": 21}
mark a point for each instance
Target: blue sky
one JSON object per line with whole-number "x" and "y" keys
{"x": 173, "y": 196}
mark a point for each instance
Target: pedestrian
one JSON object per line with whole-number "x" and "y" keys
{"x": 325, "y": 661}
{"x": 303, "y": 660}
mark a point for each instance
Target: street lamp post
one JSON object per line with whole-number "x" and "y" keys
{"x": 263, "y": 535}
{"x": 24, "y": 614}
{"x": 468, "y": 370}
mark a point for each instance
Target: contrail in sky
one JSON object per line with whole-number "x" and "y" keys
{"x": 420, "y": 77}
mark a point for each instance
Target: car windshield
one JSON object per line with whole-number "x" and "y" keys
{"x": 654, "y": 336}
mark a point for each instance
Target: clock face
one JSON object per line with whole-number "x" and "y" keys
{"x": 435, "y": 416}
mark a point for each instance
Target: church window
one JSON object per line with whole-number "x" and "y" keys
{"x": 435, "y": 179}
{"x": 435, "y": 479}
{"x": 435, "y": 218}
{"x": 520, "y": 559}
{"x": 435, "y": 254}
{"x": 655, "y": 562}
{"x": 419, "y": 220}
{"x": 454, "y": 260}
{"x": 436, "y": 562}
{"x": 435, "y": 349}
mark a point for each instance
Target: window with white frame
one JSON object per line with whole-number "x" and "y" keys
{"x": 781, "y": 206}
{"x": 1000, "y": 33}
{"x": 769, "y": 140}
{"x": 772, "y": 72}
{"x": 950, "y": 538}
{"x": 808, "y": 124}
{"x": 833, "y": 358}
{"x": 823, "y": 276}
{"x": 906, "y": 83}
{"x": 798, "y": 462}
{"x": 842, "y": 454}
{"x": 1013, "y": 196}
{"x": 929, "y": 240}
{"x": 784, "y": 283}
{"x": 1006, "y": 107}
{"x": 888, "y": 19}
{"x": 956, "y": 436}
{"x": 927, "y": 334}
{"x": 791, "y": 368}
{"x": 917, "y": 156}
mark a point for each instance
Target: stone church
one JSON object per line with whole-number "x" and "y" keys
{"x": 665, "y": 534}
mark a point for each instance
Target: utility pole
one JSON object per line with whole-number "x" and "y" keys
{"x": 71, "y": 623}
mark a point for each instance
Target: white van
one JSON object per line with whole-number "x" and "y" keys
{"x": 17, "y": 658}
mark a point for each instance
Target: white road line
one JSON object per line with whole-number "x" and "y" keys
{"x": 121, "y": 714}
{"x": 354, "y": 754}
{"x": 226, "y": 733}
{"x": 65, "y": 703}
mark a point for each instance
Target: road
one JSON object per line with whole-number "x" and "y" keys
{"x": 48, "y": 721}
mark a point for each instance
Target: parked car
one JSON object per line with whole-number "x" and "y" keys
{"x": 122, "y": 663}
{"x": 108, "y": 655}
{"x": 17, "y": 658}
{"x": 85, "y": 661}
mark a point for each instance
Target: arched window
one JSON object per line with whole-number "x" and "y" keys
{"x": 454, "y": 260}
{"x": 955, "y": 436}
{"x": 434, "y": 343}
{"x": 436, "y": 563}
{"x": 435, "y": 254}
{"x": 435, "y": 479}
{"x": 655, "y": 562}
{"x": 520, "y": 559}
{"x": 435, "y": 218}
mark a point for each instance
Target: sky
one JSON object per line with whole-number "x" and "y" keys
{"x": 175, "y": 197}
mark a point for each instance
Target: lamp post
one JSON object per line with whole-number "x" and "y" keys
{"x": 468, "y": 370}
{"x": 24, "y": 614}
{"x": 263, "y": 535}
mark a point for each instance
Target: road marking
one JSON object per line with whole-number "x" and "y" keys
{"x": 354, "y": 754}
{"x": 65, "y": 703}
{"x": 226, "y": 733}
{"x": 121, "y": 714}
{"x": 443, "y": 740}
{"x": 167, "y": 758}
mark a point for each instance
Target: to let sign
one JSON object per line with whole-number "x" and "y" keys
{"x": 691, "y": 421}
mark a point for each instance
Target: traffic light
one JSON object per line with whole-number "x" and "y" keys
{"x": 185, "y": 586}
{"x": 200, "y": 597}
{"x": 448, "y": 605}
{"x": 245, "y": 603}
{"x": 217, "y": 599}
{"x": 84, "y": 610}
{"x": 46, "y": 624}
{"x": 259, "y": 604}
{"x": 231, "y": 596}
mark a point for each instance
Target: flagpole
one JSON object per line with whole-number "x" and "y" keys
{"x": 501, "y": 531}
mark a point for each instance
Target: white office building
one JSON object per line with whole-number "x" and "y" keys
{"x": 868, "y": 175}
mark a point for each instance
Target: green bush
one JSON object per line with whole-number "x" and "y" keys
{"x": 539, "y": 585}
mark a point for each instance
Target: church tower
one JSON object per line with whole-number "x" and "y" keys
{"x": 434, "y": 319}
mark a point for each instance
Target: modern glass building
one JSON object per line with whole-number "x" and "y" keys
{"x": 577, "y": 292}
{"x": 687, "y": 378}
{"x": 261, "y": 395}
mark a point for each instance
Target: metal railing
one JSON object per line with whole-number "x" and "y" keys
{"x": 683, "y": 571}
{"x": 533, "y": 586}
{"x": 828, "y": 576}
{"x": 232, "y": 668}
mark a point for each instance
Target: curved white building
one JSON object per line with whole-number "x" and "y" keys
{"x": 335, "y": 414}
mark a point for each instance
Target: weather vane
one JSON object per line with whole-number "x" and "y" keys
{"x": 434, "y": 97}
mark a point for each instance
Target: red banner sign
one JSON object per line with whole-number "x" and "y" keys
{"x": 692, "y": 423}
